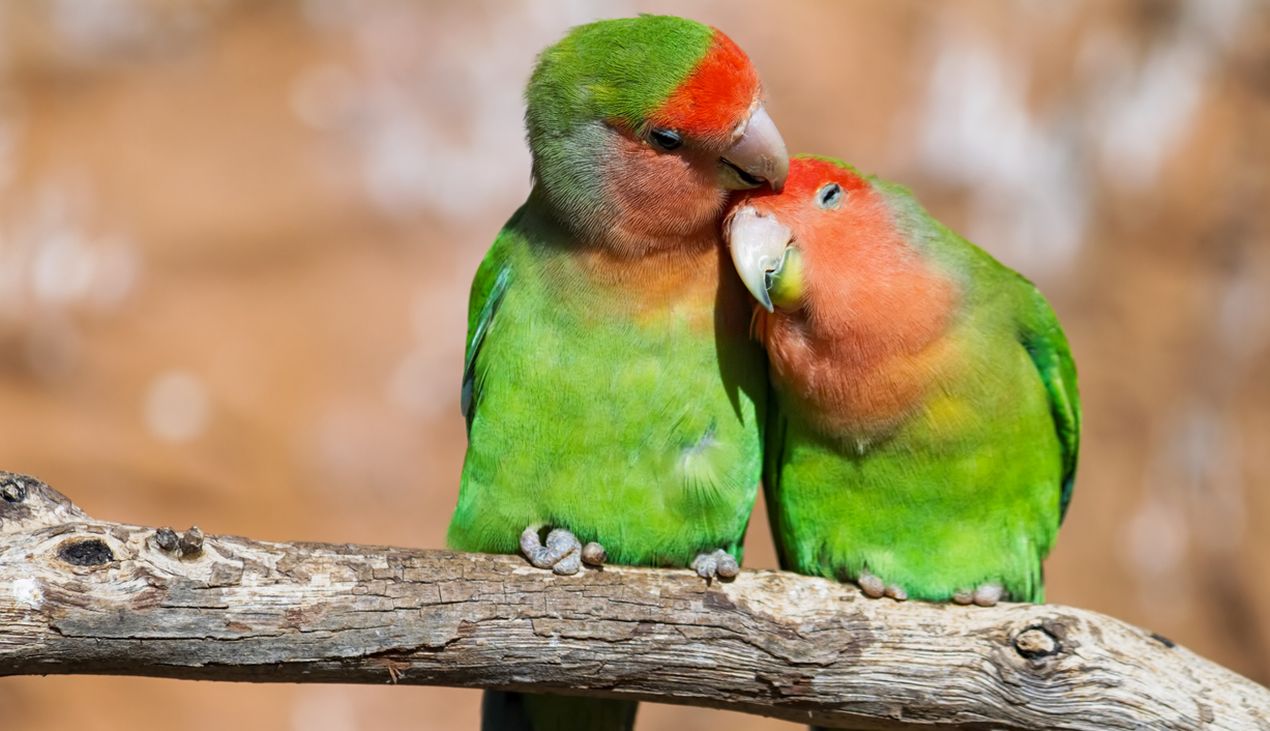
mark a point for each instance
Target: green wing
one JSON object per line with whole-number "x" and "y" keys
{"x": 488, "y": 288}
{"x": 1046, "y": 343}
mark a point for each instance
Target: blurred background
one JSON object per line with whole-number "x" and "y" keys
{"x": 236, "y": 239}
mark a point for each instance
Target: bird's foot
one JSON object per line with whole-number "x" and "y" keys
{"x": 984, "y": 595}
{"x": 875, "y": 588}
{"x": 717, "y": 564}
{"x": 563, "y": 553}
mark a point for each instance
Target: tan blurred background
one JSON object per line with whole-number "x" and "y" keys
{"x": 236, "y": 238}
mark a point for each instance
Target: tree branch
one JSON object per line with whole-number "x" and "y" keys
{"x": 79, "y": 595}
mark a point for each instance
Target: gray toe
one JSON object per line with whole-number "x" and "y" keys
{"x": 727, "y": 567}
{"x": 561, "y": 554}
{"x": 987, "y": 595}
{"x": 872, "y": 586}
{"x": 705, "y": 565}
{"x": 716, "y": 564}
{"x": 568, "y": 565}
{"x": 593, "y": 554}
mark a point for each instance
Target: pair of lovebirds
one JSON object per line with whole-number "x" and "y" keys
{"x": 909, "y": 403}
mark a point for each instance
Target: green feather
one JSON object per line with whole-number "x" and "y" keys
{"x": 1046, "y": 343}
{"x": 489, "y": 295}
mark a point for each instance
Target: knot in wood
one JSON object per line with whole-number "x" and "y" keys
{"x": 192, "y": 542}
{"x": 12, "y": 490}
{"x": 167, "y": 540}
{"x": 91, "y": 552}
{"x": 1036, "y": 642}
{"x": 183, "y": 545}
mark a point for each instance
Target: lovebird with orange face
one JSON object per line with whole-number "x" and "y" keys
{"x": 926, "y": 422}
{"x": 613, "y": 396}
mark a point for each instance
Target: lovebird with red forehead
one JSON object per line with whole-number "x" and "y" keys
{"x": 614, "y": 400}
{"x": 926, "y": 423}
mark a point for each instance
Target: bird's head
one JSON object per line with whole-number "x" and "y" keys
{"x": 776, "y": 238}
{"x": 641, "y": 126}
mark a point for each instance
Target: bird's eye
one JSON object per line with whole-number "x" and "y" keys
{"x": 666, "y": 139}
{"x": 829, "y": 197}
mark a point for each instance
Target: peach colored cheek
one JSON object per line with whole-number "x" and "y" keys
{"x": 650, "y": 184}
{"x": 632, "y": 158}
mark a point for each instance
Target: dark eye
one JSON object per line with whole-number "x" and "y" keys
{"x": 830, "y": 196}
{"x": 666, "y": 139}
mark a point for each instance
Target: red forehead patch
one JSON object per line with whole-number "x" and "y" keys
{"x": 713, "y": 100}
{"x": 807, "y": 174}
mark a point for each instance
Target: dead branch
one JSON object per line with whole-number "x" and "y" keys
{"x": 78, "y": 595}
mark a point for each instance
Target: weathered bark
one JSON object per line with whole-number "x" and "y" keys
{"x": 79, "y": 595}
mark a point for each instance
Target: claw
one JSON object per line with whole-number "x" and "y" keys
{"x": 896, "y": 592}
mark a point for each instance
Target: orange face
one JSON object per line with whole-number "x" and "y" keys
{"x": 827, "y": 219}
{"x": 840, "y": 234}
{"x": 852, "y": 307}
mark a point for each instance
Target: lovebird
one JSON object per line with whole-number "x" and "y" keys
{"x": 613, "y": 396}
{"x": 926, "y": 424}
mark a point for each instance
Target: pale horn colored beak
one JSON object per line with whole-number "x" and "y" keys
{"x": 758, "y": 242}
{"x": 757, "y": 157}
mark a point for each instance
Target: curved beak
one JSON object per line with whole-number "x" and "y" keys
{"x": 758, "y": 156}
{"x": 758, "y": 243}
